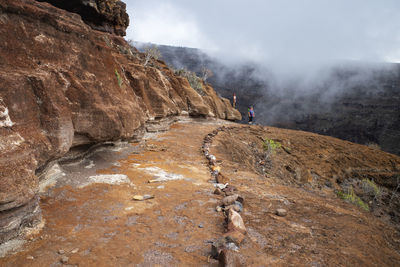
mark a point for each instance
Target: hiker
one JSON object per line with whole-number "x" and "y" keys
{"x": 251, "y": 114}
{"x": 234, "y": 100}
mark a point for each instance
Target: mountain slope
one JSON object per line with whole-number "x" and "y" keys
{"x": 358, "y": 102}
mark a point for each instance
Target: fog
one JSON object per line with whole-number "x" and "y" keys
{"x": 284, "y": 34}
{"x": 291, "y": 42}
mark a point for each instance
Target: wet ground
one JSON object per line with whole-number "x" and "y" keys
{"x": 95, "y": 223}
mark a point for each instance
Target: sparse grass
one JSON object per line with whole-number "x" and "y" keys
{"x": 351, "y": 197}
{"x": 373, "y": 146}
{"x": 119, "y": 80}
{"x": 394, "y": 193}
{"x": 370, "y": 187}
{"x": 270, "y": 145}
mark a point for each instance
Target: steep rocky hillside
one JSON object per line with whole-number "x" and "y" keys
{"x": 355, "y": 102}
{"x": 65, "y": 86}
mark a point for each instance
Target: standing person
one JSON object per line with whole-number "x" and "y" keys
{"x": 234, "y": 100}
{"x": 251, "y": 114}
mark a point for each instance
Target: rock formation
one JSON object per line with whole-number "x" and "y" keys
{"x": 103, "y": 15}
{"x": 64, "y": 85}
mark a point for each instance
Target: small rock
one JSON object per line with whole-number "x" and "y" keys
{"x": 217, "y": 191}
{"x": 144, "y": 197}
{"x": 281, "y": 212}
{"x": 236, "y": 206}
{"x": 215, "y": 174}
{"x": 216, "y": 168}
{"x": 229, "y": 190}
{"x": 229, "y": 200}
{"x": 216, "y": 248}
{"x": 240, "y": 199}
{"x": 234, "y": 236}
{"x": 64, "y": 259}
{"x": 221, "y": 186}
{"x": 61, "y": 251}
{"x": 235, "y": 222}
{"x": 218, "y": 209}
{"x": 222, "y": 179}
{"x": 232, "y": 246}
{"x": 29, "y": 257}
{"x": 220, "y": 244}
{"x": 212, "y": 157}
{"x": 229, "y": 258}
{"x": 75, "y": 250}
{"x": 201, "y": 225}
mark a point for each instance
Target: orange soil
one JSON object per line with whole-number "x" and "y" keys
{"x": 175, "y": 228}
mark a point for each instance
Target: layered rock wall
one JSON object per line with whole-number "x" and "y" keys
{"x": 63, "y": 85}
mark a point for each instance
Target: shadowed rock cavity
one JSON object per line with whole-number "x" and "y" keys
{"x": 103, "y": 15}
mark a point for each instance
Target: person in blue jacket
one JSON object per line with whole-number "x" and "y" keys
{"x": 251, "y": 114}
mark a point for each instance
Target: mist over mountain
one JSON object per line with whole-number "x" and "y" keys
{"x": 351, "y": 100}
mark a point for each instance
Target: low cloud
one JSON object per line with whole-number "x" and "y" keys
{"x": 282, "y": 33}
{"x": 164, "y": 23}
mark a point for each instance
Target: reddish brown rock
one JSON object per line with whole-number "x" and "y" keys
{"x": 229, "y": 190}
{"x": 229, "y": 200}
{"x": 217, "y": 191}
{"x": 229, "y": 258}
{"x": 63, "y": 84}
{"x": 222, "y": 179}
{"x": 235, "y": 237}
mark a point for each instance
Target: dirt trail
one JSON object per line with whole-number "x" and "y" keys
{"x": 110, "y": 229}
{"x": 99, "y": 224}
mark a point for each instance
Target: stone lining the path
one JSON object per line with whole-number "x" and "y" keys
{"x": 226, "y": 248}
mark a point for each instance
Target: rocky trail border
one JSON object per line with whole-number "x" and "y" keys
{"x": 226, "y": 248}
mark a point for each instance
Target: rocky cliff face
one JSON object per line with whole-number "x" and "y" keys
{"x": 64, "y": 85}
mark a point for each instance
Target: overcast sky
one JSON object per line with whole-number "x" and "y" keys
{"x": 289, "y": 31}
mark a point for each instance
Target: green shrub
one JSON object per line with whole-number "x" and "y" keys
{"x": 119, "y": 80}
{"x": 351, "y": 197}
{"x": 270, "y": 145}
